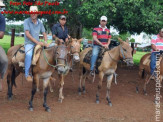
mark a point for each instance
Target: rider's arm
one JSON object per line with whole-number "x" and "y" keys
{"x": 95, "y": 39}
{"x": 154, "y": 47}
{"x": 1, "y": 34}
{"x": 2, "y": 27}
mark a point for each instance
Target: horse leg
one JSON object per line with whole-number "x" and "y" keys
{"x": 84, "y": 78}
{"x": 50, "y": 85}
{"x": 45, "y": 89}
{"x": 145, "y": 84}
{"x": 61, "y": 97}
{"x": 109, "y": 81}
{"x": 101, "y": 75}
{"x": 11, "y": 76}
{"x": 34, "y": 87}
{"x": 81, "y": 72}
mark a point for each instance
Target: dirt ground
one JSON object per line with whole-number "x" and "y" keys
{"x": 128, "y": 106}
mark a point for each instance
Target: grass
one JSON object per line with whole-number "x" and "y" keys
{"x": 5, "y": 43}
{"x": 138, "y": 56}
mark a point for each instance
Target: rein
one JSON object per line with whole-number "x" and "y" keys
{"x": 54, "y": 66}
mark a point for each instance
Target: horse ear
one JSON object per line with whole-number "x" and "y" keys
{"x": 80, "y": 40}
{"x": 120, "y": 40}
{"x": 127, "y": 41}
{"x": 70, "y": 39}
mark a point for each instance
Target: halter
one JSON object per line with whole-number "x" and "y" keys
{"x": 122, "y": 52}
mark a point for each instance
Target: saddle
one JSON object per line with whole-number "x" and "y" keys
{"x": 19, "y": 56}
{"x": 87, "y": 58}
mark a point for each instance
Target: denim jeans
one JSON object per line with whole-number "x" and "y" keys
{"x": 95, "y": 52}
{"x": 28, "y": 57}
{"x": 153, "y": 61}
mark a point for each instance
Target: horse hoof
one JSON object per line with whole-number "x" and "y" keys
{"x": 38, "y": 90}
{"x": 30, "y": 109}
{"x": 10, "y": 98}
{"x": 47, "y": 110}
{"x": 84, "y": 92}
{"x": 137, "y": 92}
{"x": 79, "y": 93}
{"x": 145, "y": 94}
{"x": 110, "y": 104}
{"x": 60, "y": 100}
{"x": 97, "y": 101}
{"x": 51, "y": 91}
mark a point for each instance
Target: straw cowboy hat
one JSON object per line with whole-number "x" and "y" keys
{"x": 1, "y": 4}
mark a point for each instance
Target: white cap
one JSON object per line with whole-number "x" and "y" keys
{"x": 162, "y": 30}
{"x": 103, "y": 18}
{"x": 33, "y": 9}
{"x": 1, "y": 4}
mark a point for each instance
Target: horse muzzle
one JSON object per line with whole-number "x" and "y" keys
{"x": 76, "y": 58}
{"x": 62, "y": 69}
{"x": 129, "y": 62}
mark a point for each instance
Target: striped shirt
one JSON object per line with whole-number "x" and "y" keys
{"x": 157, "y": 41}
{"x": 103, "y": 34}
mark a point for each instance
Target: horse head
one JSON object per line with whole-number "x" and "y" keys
{"x": 126, "y": 52}
{"x": 75, "y": 48}
{"x": 61, "y": 58}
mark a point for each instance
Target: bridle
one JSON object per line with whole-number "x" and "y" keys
{"x": 122, "y": 52}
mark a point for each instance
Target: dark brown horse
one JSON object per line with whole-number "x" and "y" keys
{"x": 49, "y": 59}
{"x": 108, "y": 67}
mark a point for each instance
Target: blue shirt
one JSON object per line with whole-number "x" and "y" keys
{"x": 58, "y": 31}
{"x": 2, "y": 23}
{"x": 34, "y": 30}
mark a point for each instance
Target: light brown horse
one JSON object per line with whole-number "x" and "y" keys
{"x": 49, "y": 58}
{"x": 144, "y": 70}
{"x": 108, "y": 66}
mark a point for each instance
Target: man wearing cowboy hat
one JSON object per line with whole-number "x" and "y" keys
{"x": 3, "y": 56}
{"x": 32, "y": 28}
{"x": 101, "y": 37}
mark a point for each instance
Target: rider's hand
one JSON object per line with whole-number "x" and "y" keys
{"x": 61, "y": 40}
{"x": 40, "y": 43}
{"x": 105, "y": 46}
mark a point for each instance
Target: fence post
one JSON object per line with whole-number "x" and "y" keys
{"x": 12, "y": 37}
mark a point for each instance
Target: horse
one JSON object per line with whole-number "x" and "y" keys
{"x": 108, "y": 67}
{"x": 73, "y": 56}
{"x": 144, "y": 71}
{"x": 49, "y": 59}
{"x": 3, "y": 65}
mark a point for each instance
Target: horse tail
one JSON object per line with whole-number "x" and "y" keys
{"x": 13, "y": 77}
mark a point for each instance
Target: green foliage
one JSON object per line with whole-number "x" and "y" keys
{"x": 133, "y": 16}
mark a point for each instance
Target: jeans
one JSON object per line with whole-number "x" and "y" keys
{"x": 153, "y": 61}
{"x": 28, "y": 57}
{"x": 95, "y": 52}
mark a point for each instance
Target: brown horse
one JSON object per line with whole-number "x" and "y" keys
{"x": 144, "y": 70}
{"x": 73, "y": 56}
{"x": 108, "y": 66}
{"x": 48, "y": 60}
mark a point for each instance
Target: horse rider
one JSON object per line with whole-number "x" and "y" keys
{"x": 60, "y": 31}
{"x": 32, "y": 28}
{"x": 3, "y": 56}
{"x": 101, "y": 37}
{"x": 156, "y": 45}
